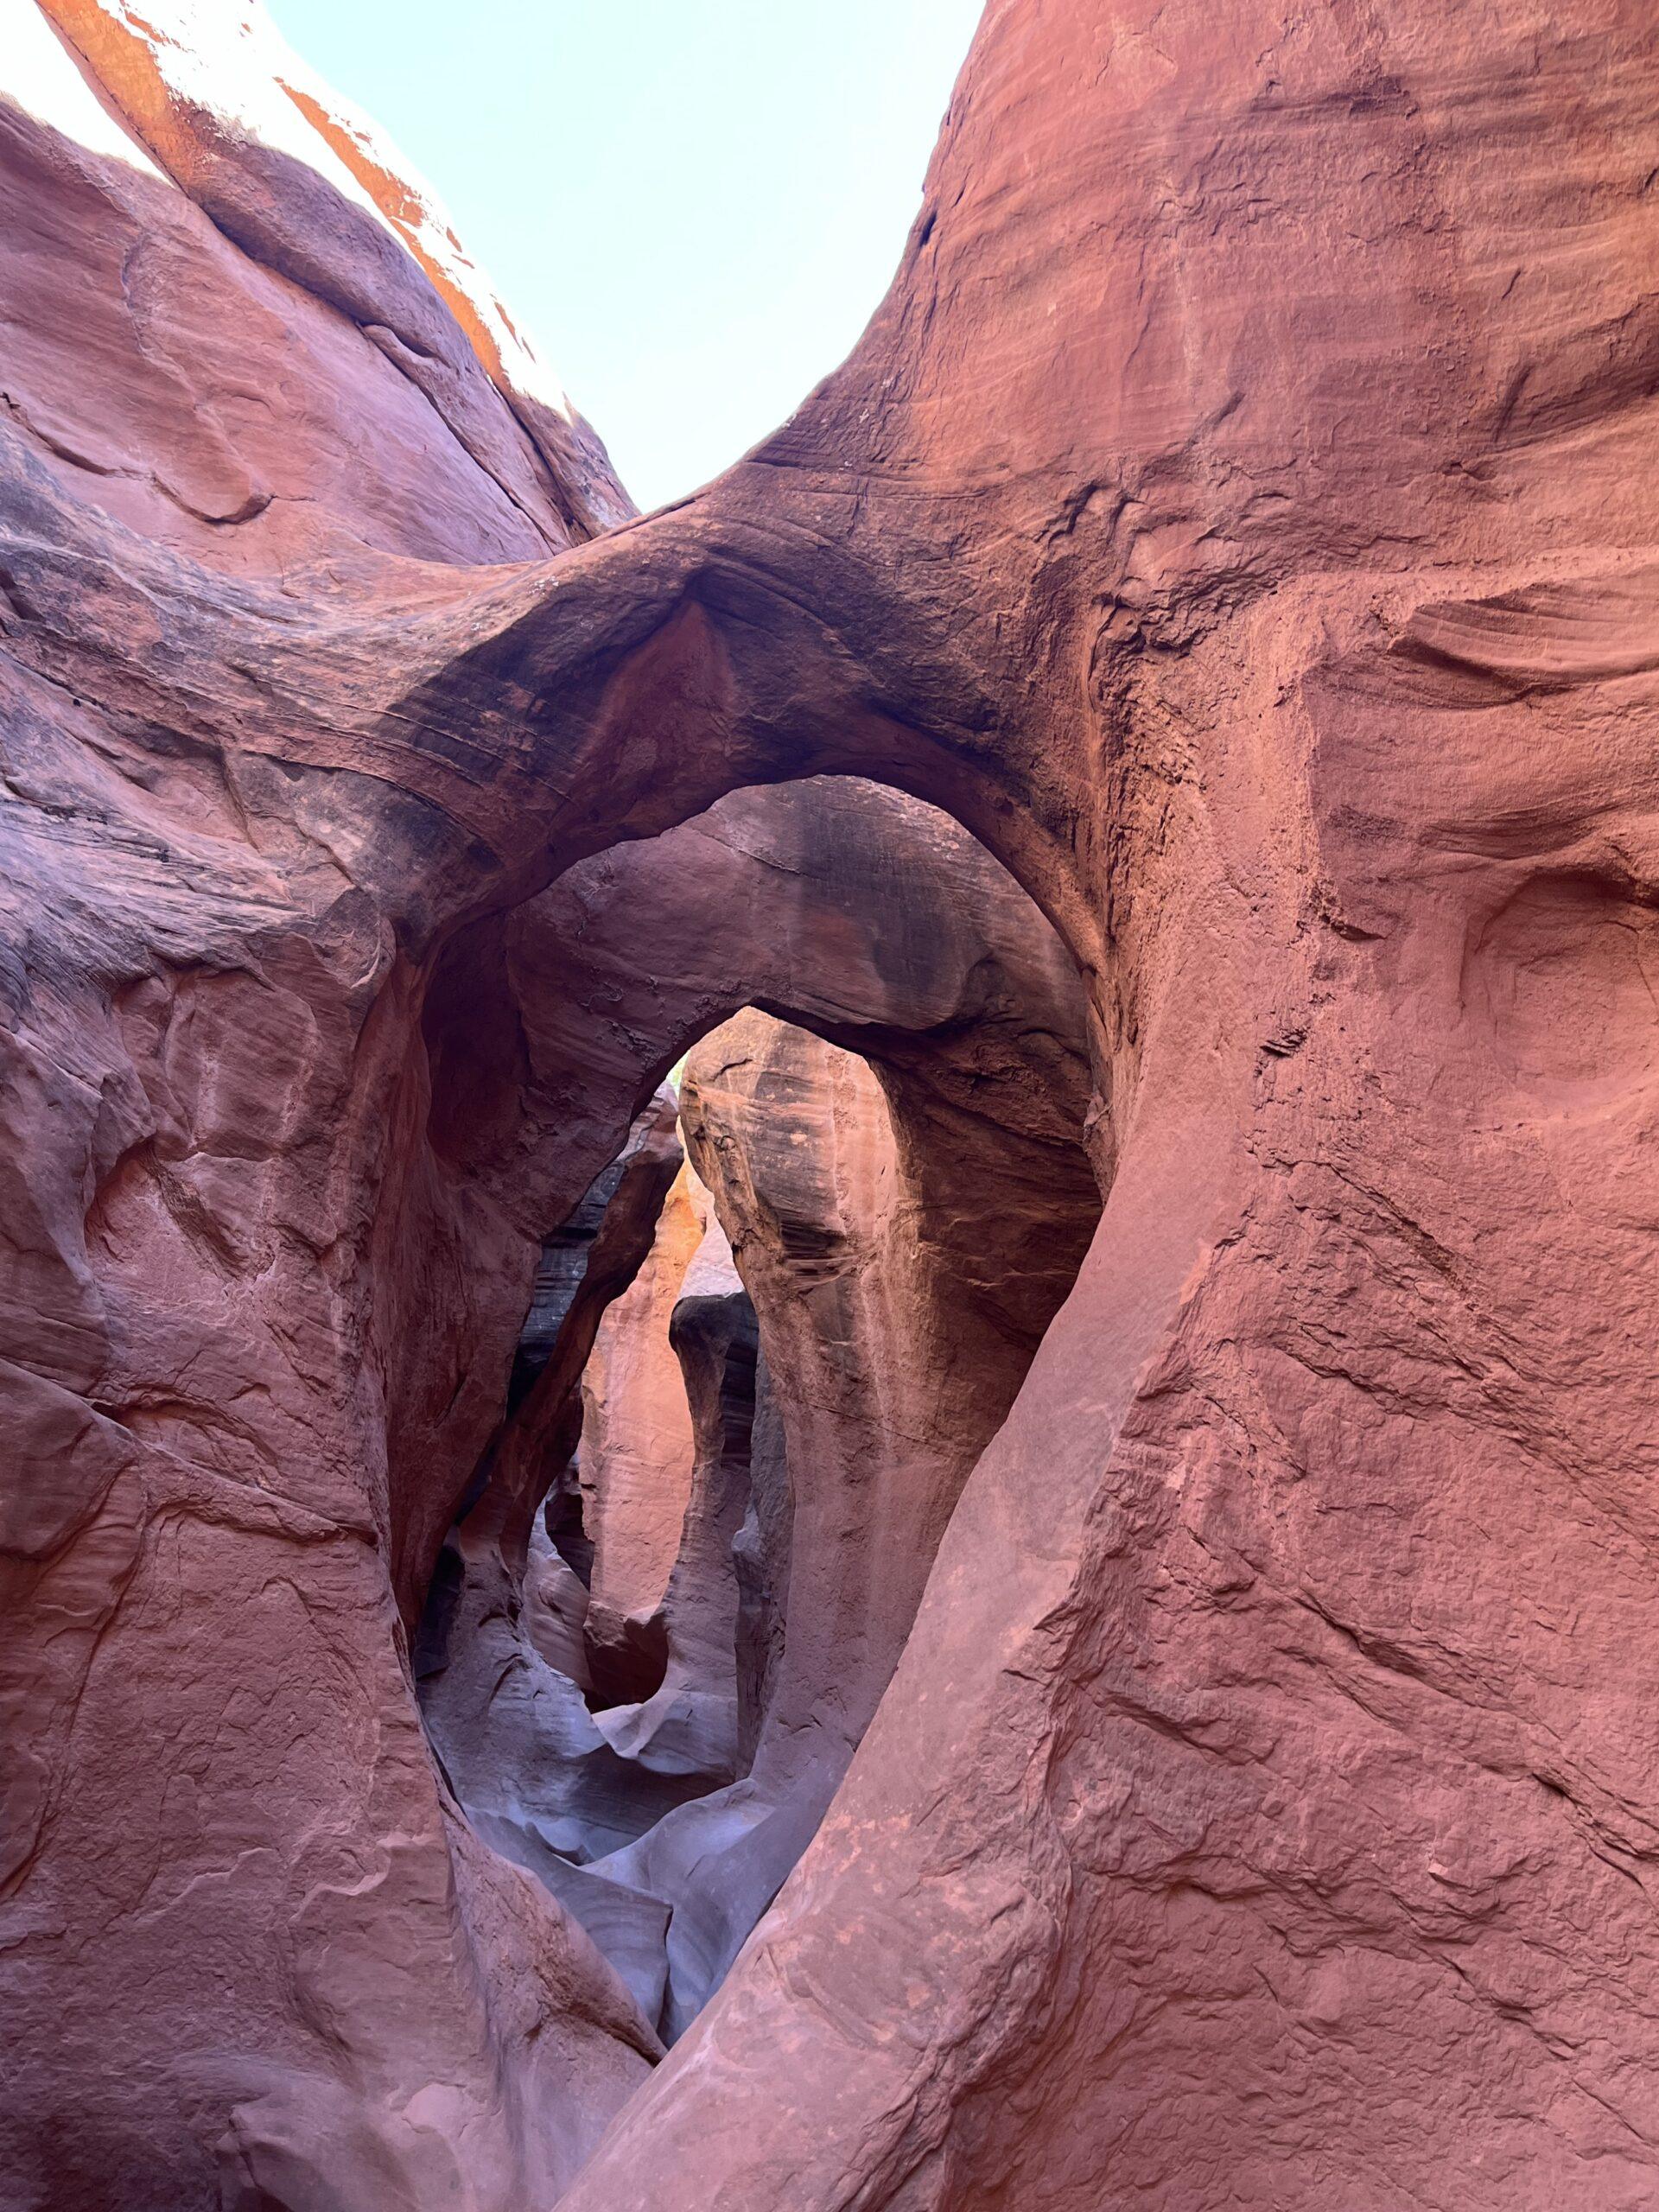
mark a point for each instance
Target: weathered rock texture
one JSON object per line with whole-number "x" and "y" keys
{"x": 506, "y": 1656}
{"x": 638, "y": 1449}
{"x": 888, "y": 1385}
{"x": 888, "y": 1374}
{"x": 309, "y": 190}
{"x": 687, "y": 1723}
{"x": 1240, "y": 516}
{"x": 877, "y": 920}
{"x": 252, "y": 1953}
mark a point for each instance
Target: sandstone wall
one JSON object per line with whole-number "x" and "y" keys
{"x": 1238, "y": 517}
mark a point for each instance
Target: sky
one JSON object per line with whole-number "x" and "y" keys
{"x": 691, "y": 206}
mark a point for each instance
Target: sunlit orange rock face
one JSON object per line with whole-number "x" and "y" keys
{"x": 638, "y": 1446}
{"x": 1240, "y": 516}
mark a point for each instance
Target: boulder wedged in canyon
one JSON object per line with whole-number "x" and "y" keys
{"x": 1239, "y": 517}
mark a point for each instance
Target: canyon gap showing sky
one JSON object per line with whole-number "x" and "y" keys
{"x": 691, "y": 206}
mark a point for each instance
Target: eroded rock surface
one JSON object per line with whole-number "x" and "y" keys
{"x": 877, "y": 920}
{"x": 241, "y": 1244}
{"x": 689, "y": 1722}
{"x": 888, "y": 1372}
{"x": 1239, "y": 517}
{"x": 506, "y": 1651}
{"x": 640, "y": 1447}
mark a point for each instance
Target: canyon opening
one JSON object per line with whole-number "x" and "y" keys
{"x": 826, "y": 1321}
{"x": 766, "y": 1344}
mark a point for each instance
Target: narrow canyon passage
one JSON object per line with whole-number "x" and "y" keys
{"x": 1081, "y": 1632}
{"x": 762, "y": 1353}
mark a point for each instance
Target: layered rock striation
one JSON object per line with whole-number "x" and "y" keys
{"x": 875, "y": 919}
{"x": 1237, "y": 518}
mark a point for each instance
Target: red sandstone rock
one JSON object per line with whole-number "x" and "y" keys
{"x": 308, "y": 187}
{"x": 890, "y": 1377}
{"x": 687, "y": 1723}
{"x": 874, "y": 917}
{"x": 887, "y": 1382}
{"x": 637, "y": 1451}
{"x": 502, "y": 1655}
{"x": 1238, "y": 516}
{"x": 318, "y": 1980}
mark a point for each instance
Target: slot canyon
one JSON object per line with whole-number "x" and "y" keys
{"x": 824, "y": 1317}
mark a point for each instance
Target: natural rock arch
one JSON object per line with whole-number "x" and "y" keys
{"x": 867, "y": 917}
{"x": 876, "y": 923}
{"x": 1229, "y": 525}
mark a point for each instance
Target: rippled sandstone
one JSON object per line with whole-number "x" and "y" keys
{"x": 1239, "y": 517}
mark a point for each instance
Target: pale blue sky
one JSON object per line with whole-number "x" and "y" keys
{"x": 693, "y": 207}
